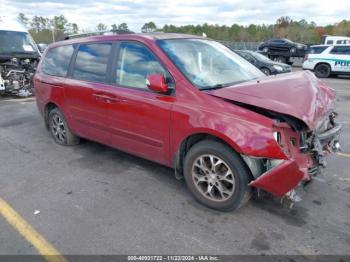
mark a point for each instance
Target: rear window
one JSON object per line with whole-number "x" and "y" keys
{"x": 318, "y": 49}
{"x": 91, "y": 62}
{"x": 341, "y": 50}
{"x": 56, "y": 61}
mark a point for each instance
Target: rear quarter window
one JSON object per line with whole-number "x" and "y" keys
{"x": 57, "y": 60}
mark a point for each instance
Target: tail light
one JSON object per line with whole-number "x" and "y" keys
{"x": 306, "y": 57}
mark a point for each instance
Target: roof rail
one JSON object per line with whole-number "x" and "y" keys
{"x": 108, "y": 32}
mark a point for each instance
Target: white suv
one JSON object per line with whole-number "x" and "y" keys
{"x": 327, "y": 60}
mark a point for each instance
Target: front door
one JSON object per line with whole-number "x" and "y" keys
{"x": 139, "y": 118}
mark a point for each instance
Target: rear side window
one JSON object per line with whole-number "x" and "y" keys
{"x": 135, "y": 63}
{"x": 56, "y": 61}
{"x": 92, "y": 61}
{"x": 341, "y": 50}
{"x": 329, "y": 42}
{"x": 341, "y": 41}
{"x": 318, "y": 49}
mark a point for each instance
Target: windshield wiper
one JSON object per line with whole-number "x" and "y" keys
{"x": 218, "y": 86}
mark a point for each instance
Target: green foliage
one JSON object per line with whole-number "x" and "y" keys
{"x": 101, "y": 27}
{"x": 298, "y": 31}
{"x": 42, "y": 29}
{"x": 123, "y": 26}
{"x": 149, "y": 27}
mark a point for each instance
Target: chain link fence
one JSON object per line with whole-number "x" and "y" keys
{"x": 253, "y": 46}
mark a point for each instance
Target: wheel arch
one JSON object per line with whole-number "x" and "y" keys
{"x": 264, "y": 67}
{"x": 323, "y": 62}
{"x": 193, "y": 139}
{"x": 48, "y": 107}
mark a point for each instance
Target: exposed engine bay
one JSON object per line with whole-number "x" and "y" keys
{"x": 307, "y": 149}
{"x": 16, "y": 76}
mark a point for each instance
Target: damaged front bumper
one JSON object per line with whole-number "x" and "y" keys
{"x": 281, "y": 179}
{"x": 305, "y": 159}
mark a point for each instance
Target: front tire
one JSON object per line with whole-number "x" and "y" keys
{"x": 59, "y": 129}
{"x": 322, "y": 70}
{"x": 217, "y": 176}
{"x": 266, "y": 71}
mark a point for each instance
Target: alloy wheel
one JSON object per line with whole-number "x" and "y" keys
{"x": 58, "y": 129}
{"x": 213, "y": 177}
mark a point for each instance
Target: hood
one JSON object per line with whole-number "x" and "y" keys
{"x": 298, "y": 94}
{"x": 279, "y": 64}
{"x": 285, "y": 67}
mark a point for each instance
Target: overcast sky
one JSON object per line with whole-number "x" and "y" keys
{"x": 88, "y": 13}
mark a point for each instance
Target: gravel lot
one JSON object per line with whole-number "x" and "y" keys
{"x": 97, "y": 200}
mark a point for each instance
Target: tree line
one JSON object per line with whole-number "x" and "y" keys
{"x": 47, "y": 30}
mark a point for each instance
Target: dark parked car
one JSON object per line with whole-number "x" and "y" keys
{"x": 265, "y": 64}
{"x": 190, "y": 103}
{"x": 281, "y": 50}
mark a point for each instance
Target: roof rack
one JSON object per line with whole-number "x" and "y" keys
{"x": 108, "y": 32}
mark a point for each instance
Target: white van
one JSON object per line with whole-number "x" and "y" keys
{"x": 327, "y": 60}
{"x": 336, "y": 40}
{"x": 19, "y": 56}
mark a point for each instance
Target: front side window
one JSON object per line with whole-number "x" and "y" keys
{"x": 208, "y": 64}
{"x": 135, "y": 63}
{"x": 278, "y": 41}
{"x": 56, "y": 61}
{"x": 318, "y": 49}
{"x": 91, "y": 62}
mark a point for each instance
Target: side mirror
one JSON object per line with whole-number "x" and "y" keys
{"x": 157, "y": 83}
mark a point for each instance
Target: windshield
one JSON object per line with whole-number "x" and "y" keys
{"x": 208, "y": 64}
{"x": 16, "y": 42}
{"x": 259, "y": 56}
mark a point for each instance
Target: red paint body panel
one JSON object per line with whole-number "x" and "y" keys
{"x": 153, "y": 125}
{"x": 281, "y": 179}
{"x": 298, "y": 94}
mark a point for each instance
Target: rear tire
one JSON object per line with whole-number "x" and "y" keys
{"x": 322, "y": 70}
{"x": 59, "y": 129}
{"x": 217, "y": 176}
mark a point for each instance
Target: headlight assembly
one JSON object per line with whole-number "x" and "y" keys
{"x": 278, "y": 68}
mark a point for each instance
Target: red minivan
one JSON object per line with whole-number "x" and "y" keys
{"x": 190, "y": 103}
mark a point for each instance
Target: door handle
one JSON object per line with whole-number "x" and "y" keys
{"x": 48, "y": 83}
{"x": 106, "y": 98}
